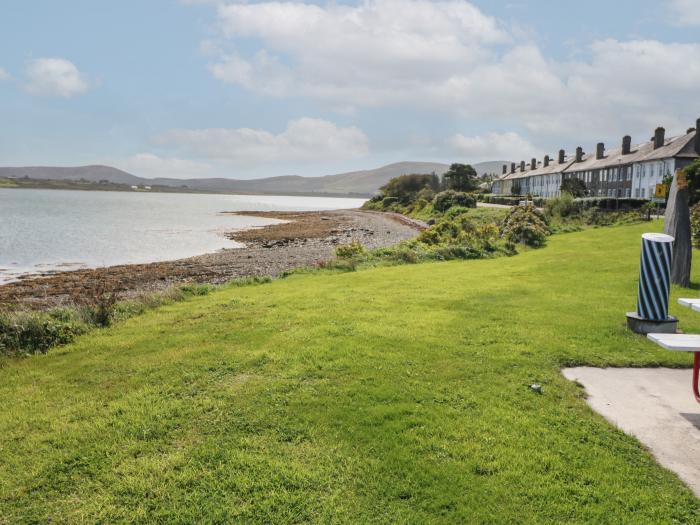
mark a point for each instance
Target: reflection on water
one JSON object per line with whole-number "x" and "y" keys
{"x": 43, "y": 230}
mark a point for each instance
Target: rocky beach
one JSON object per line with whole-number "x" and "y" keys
{"x": 305, "y": 239}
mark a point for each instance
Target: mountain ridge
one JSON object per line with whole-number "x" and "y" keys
{"x": 361, "y": 182}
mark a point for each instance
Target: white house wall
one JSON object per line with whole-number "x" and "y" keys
{"x": 646, "y": 175}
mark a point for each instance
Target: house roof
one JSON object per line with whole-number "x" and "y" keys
{"x": 673, "y": 147}
{"x": 554, "y": 167}
{"x": 681, "y": 146}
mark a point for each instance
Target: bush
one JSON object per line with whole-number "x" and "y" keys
{"x": 35, "y": 332}
{"x": 525, "y": 225}
{"x": 560, "y": 207}
{"x": 405, "y": 188}
{"x": 695, "y": 224}
{"x": 447, "y": 199}
{"x": 350, "y": 251}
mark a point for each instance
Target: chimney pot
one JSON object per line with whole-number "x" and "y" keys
{"x": 512, "y": 167}
{"x": 600, "y": 151}
{"x": 562, "y": 156}
{"x": 546, "y": 161}
{"x": 579, "y": 154}
{"x": 626, "y": 145}
{"x": 522, "y": 165}
{"x": 533, "y": 164}
{"x": 659, "y": 137}
{"x": 505, "y": 169}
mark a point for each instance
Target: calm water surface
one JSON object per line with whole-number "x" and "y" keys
{"x": 42, "y": 230}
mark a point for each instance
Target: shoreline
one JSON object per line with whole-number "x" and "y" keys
{"x": 304, "y": 239}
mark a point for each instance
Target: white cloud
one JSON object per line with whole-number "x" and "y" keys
{"x": 450, "y": 57}
{"x": 685, "y": 12}
{"x": 378, "y": 51}
{"x": 152, "y": 166}
{"x": 55, "y": 77}
{"x": 4, "y": 75}
{"x": 304, "y": 140}
{"x": 490, "y": 146}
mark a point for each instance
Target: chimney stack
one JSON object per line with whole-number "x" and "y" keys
{"x": 600, "y": 151}
{"x": 512, "y": 167}
{"x": 579, "y": 154}
{"x": 626, "y": 145}
{"x": 505, "y": 169}
{"x": 533, "y": 164}
{"x": 522, "y": 165}
{"x": 546, "y": 161}
{"x": 562, "y": 156}
{"x": 697, "y": 137}
{"x": 659, "y": 137}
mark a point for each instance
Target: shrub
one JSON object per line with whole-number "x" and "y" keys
{"x": 350, "y": 251}
{"x": 695, "y": 224}
{"x": 525, "y": 225}
{"x": 445, "y": 200}
{"x": 560, "y": 207}
{"x": 388, "y": 202}
{"x": 98, "y": 303}
{"x": 406, "y": 187}
{"x": 27, "y": 332}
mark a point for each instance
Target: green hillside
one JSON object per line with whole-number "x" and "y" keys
{"x": 391, "y": 395}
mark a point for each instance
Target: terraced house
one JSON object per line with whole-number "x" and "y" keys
{"x": 624, "y": 172}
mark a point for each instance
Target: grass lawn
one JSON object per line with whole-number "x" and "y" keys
{"x": 391, "y": 395}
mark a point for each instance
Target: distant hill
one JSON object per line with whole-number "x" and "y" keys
{"x": 89, "y": 173}
{"x": 365, "y": 182}
{"x": 494, "y": 167}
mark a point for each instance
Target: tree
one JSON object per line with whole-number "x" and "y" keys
{"x": 574, "y": 186}
{"x": 515, "y": 188}
{"x": 461, "y": 177}
{"x": 406, "y": 187}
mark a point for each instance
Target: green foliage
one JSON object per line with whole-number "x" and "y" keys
{"x": 515, "y": 187}
{"x": 692, "y": 173}
{"x": 574, "y": 186}
{"x": 447, "y": 199}
{"x": 561, "y": 207}
{"x": 36, "y": 332}
{"x": 27, "y": 332}
{"x": 695, "y": 224}
{"x": 350, "y": 251}
{"x": 461, "y": 177}
{"x": 407, "y": 187}
{"x": 525, "y": 225}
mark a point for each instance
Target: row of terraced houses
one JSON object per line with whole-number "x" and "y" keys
{"x": 624, "y": 172}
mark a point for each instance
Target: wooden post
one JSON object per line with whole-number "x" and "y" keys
{"x": 677, "y": 225}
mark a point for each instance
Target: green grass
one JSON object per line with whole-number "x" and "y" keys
{"x": 390, "y": 395}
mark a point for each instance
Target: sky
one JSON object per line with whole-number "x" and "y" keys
{"x": 200, "y": 88}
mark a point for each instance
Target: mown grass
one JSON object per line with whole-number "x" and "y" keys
{"x": 390, "y": 395}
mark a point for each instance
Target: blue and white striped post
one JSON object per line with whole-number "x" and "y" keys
{"x": 654, "y": 286}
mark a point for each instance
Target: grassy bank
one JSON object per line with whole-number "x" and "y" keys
{"x": 390, "y": 395}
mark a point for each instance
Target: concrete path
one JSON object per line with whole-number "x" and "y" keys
{"x": 655, "y": 405}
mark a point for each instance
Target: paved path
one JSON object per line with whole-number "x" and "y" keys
{"x": 489, "y": 205}
{"x": 655, "y": 405}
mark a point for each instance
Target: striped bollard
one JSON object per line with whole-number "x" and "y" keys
{"x": 654, "y": 287}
